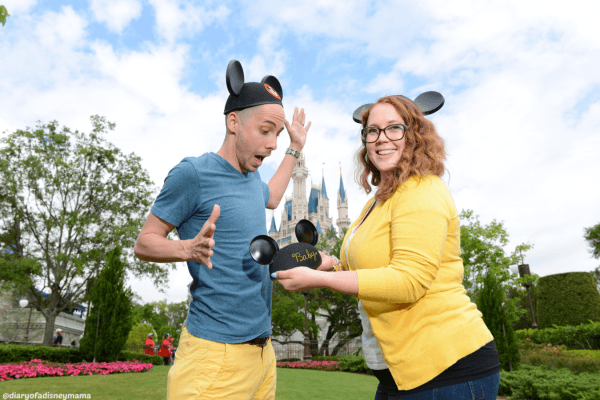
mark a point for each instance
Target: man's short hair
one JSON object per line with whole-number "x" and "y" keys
{"x": 244, "y": 115}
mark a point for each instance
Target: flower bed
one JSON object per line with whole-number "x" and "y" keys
{"x": 39, "y": 368}
{"x": 318, "y": 365}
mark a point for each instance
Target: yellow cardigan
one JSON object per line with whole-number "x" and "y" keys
{"x": 407, "y": 257}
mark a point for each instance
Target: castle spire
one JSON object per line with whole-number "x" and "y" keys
{"x": 273, "y": 225}
{"x": 323, "y": 191}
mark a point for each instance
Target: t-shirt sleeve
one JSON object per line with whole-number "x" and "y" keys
{"x": 178, "y": 198}
{"x": 266, "y": 192}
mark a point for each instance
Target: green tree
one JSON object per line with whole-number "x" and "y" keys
{"x": 490, "y": 302}
{"x": 592, "y": 235}
{"x": 110, "y": 320}
{"x": 164, "y": 317}
{"x": 62, "y": 206}
{"x": 3, "y": 14}
{"x": 482, "y": 252}
{"x": 138, "y": 335}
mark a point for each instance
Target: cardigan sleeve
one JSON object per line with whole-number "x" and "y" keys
{"x": 419, "y": 225}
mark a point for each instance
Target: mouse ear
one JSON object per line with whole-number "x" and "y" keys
{"x": 429, "y": 102}
{"x": 274, "y": 83}
{"x": 263, "y": 249}
{"x": 357, "y": 116}
{"x": 306, "y": 232}
{"x": 234, "y": 77}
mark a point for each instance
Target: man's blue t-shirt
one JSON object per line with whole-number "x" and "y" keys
{"x": 232, "y": 301}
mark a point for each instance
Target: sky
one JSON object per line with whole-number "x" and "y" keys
{"x": 520, "y": 80}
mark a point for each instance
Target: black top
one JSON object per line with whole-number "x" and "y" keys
{"x": 484, "y": 362}
{"x": 58, "y": 339}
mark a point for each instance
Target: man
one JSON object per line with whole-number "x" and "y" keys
{"x": 149, "y": 345}
{"x": 58, "y": 339}
{"x": 165, "y": 349}
{"x": 224, "y": 349}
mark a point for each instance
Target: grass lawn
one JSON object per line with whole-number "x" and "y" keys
{"x": 291, "y": 385}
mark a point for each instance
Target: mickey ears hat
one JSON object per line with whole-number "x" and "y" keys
{"x": 428, "y": 103}
{"x": 243, "y": 95}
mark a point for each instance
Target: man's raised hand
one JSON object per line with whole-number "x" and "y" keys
{"x": 202, "y": 244}
{"x": 296, "y": 130}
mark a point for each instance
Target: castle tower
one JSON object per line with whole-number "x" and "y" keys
{"x": 316, "y": 209}
{"x": 273, "y": 232}
{"x": 342, "y": 204}
{"x": 299, "y": 204}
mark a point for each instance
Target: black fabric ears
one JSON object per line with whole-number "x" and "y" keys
{"x": 428, "y": 102}
{"x": 234, "y": 77}
{"x": 274, "y": 83}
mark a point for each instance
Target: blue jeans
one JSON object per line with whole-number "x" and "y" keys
{"x": 482, "y": 388}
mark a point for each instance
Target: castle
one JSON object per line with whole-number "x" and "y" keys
{"x": 316, "y": 209}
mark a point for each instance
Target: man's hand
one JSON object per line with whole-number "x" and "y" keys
{"x": 297, "y": 131}
{"x": 202, "y": 244}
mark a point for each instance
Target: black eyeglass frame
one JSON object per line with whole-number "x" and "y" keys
{"x": 364, "y": 135}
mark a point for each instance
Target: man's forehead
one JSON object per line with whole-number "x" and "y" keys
{"x": 270, "y": 112}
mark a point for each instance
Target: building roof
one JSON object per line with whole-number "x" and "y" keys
{"x": 313, "y": 200}
{"x": 288, "y": 208}
{"x": 273, "y": 225}
{"x": 284, "y": 240}
{"x": 323, "y": 188}
{"x": 342, "y": 191}
{"x": 319, "y": 228}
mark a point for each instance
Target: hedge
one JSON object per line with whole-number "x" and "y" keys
{"x": 10, "y": 353}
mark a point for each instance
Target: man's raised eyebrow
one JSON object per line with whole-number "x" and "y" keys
{"x": 269, "y": 122}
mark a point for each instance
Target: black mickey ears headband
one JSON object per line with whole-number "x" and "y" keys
{"x": 264, "y": 249}
{"x": 428, "y": 103}
{"x": 244, "y": 95}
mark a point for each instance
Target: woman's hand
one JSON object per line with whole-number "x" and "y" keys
{"x": 301, "y": 278}
{"x": 327, "y": 262}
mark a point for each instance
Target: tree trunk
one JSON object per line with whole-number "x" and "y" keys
{"x": 49, "y": 330}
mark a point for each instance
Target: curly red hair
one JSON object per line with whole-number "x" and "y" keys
{"x": 424, "y": 152}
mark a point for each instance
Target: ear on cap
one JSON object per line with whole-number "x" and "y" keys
{"x": 357, "y": 116}
{"x": 274, "y": 83}
{"x": 306, "y": 232}
{"x": 263, "y": 249}
{"x": 429, "y": 102}
{"x": 234, "y": 77}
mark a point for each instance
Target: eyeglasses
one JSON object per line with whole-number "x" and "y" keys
{"x": 394, "y": 132}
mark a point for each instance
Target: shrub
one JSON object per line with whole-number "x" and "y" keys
{"x": 16, "y": 353}
{"x": 355, "y": 364}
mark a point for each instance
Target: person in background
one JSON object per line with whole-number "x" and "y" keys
{"x": 423, "y": 338}
{"x": 165, "y": 349}
{"x": 149, "y": 345}
{"x": 59, "y": 338}
{"x": 171, "y": 351}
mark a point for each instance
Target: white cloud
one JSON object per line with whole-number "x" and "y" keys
{"x": 116, "y": 13}
{"x": 175, "y": 18}
{"x": 17, "y": 7}
{"x": 61, "y": 30}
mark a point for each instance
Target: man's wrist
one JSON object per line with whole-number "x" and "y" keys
{"x": 292, "y": 152}
{"x": 296, "y": 146}
{"x": 185, "y": 250}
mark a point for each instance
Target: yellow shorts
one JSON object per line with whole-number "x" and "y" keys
{"x": 204, "y": 369}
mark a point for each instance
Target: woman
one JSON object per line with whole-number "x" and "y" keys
{"x": 422, "y": 336}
